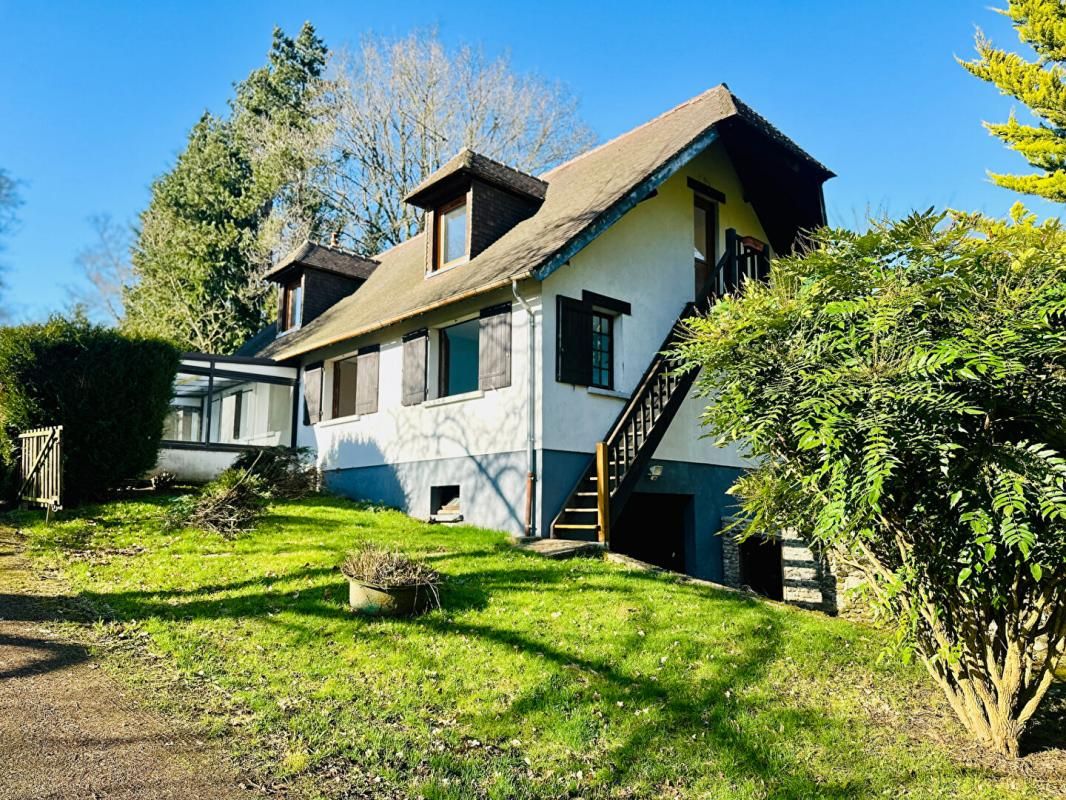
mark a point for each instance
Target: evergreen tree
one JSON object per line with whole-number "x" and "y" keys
{"x": 195, "y": 261}
{"x": 1038, "y": 84}
{"x": 206, "y": 236}
{"x": 284, "y": 122}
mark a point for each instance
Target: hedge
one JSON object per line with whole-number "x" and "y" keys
{"x": 110, "y": 392}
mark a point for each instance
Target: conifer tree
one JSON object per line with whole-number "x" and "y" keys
{"x": 206, "y": 236}
{"x": 1040, "y": 85}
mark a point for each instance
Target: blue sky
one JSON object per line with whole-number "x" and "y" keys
{"x": 97, "y": 98}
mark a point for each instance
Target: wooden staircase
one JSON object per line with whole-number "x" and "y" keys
{"x": 599, "y": 496}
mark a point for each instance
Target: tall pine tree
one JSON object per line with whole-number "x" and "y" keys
{"x": 1038, "y": 84}
{"x": 206, "y": 236}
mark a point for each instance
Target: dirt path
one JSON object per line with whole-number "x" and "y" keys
{"x": 67, "y": 730}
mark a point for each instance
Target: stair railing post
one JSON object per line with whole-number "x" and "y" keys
{"x": 603, "y": 494}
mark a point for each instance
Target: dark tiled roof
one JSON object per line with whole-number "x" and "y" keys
{"x": 255, "y": 345}
{"x": 479, "y": 166}
{"x": 326, "y": 258}
{"x": 583, "y": 197}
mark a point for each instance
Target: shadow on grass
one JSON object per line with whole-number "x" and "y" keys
{"x": 747, "y": 739}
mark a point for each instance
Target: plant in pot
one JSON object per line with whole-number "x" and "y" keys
{"x": 389, "y": 583}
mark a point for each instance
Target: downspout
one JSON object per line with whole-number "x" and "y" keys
{"x": 531, "y": 475}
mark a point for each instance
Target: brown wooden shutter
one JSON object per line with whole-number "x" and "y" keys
{"x": 415, "y": 360}
{"x": 494, "y": 347}
{"x": 313, "y": 393}
{"x": 573, "y": 342}
{"x": 366, "y": 380}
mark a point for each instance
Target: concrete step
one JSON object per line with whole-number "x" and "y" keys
{"x": 561, "y": 548}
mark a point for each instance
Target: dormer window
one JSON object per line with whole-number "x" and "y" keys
{"x": 470, "y": 203}
{"x": 451, "y": 231}
{"x": 292, "y": 301}
{"x": 313, "y": 278}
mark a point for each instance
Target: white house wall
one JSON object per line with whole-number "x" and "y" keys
{"x": 478, "y": 440}
{"x": 645, "y": 259}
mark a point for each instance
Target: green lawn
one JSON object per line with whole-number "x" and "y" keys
{"x": 538, "y": 679}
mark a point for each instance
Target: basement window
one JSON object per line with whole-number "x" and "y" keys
{"x": 445, "y": 504}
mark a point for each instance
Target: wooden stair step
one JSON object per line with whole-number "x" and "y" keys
{"x": 573, "y": 526}
{"x": 591, "y": 510}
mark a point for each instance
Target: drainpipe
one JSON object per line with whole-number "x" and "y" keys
{"x": 531, "y": 475}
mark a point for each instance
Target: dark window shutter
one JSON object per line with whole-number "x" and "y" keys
{"x": 415, "y": 357}
{"x": 494, "y": 348}
{"x": 573, "y": 348}
{"x": 366, "y": 381}
{"x": 313, "y": 393}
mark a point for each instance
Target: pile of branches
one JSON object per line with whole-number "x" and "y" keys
{"x": 288, "y": 474}
{"x": 228, "y": 505}
{"x": 236, "y": 499}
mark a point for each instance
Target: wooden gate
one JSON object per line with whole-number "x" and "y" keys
{"x": 41, "y": 467}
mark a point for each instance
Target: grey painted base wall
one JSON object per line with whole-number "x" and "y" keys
{"x": 492, "y": 487}
{"x": 708, "y": 484}
{"x": 493, "y": 493}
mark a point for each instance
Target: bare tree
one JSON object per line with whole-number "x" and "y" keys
{"x": 403, "y": 106}
{"x": 106, "y": 267}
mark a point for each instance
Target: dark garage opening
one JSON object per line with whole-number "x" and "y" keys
{"x": 760, "y": 566}
{"x": 653, "y": 529}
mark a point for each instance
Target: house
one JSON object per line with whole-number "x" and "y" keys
{"x": 503, "y": 367}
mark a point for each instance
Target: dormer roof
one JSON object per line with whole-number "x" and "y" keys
{"x": 326, "y": 258}
{"x": 468, "y": 164}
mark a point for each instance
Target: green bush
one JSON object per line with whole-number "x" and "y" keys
{"x": 902, "y": 392}
{"x": 110, "y": 392}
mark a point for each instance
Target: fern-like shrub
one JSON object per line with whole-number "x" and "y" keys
{"x": 903, "y": 394}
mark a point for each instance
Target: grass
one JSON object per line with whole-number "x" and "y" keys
{"x": 538, "y": 678}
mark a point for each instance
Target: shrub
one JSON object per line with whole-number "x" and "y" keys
{"x": 387, "y": 569}
{"x": 286, "y": 474}
{"x": 228, "y": 505}
{"x": 903, "y": 394}
{"x": 110, "y": 392}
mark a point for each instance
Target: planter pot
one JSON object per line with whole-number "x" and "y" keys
{"x": 397, "y": 601}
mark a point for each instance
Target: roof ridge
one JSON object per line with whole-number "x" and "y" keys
{"x": 631, "y": 131}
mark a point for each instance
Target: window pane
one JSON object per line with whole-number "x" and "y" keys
{"x": 344, "y": 374}
{"x": 298, "y": 305}
{"x": 453, "y": 233}
{"x": 459, "y": 365}
{"x": 601, "y": 351}
{"x": 700, "y": 233}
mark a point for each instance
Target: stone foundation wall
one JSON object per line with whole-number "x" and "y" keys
{"x": 808, "y": 580}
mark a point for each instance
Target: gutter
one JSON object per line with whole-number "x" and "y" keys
{"x": 531, "y": 475}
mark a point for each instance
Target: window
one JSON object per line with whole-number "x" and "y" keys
{"x": 292, "y": 300}
{"x": 450, "y": 234}
{"x": 602, "y": 351}
{"x": 459, "y": 358}
{"x": 242, "y": 414}
{"x": 585, "y": 339}
{"x": 220, "y": 406}
{"x": 344, "y": 384}
{"x": 355, "y": 384}
{"x": 704, "y": 237}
